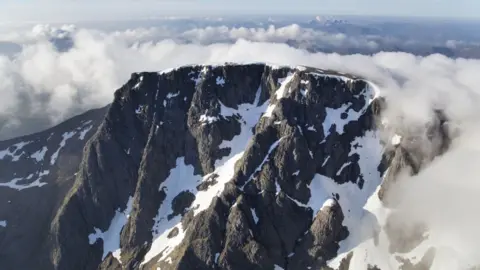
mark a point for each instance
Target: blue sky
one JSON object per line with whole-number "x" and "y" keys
{"x": 110, "y": 9}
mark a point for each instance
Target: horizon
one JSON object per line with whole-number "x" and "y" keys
{"x": 73, "y": 11}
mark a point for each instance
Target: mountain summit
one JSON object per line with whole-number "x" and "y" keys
{"x": 207, "y": 167}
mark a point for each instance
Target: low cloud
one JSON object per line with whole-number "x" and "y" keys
{"x": 59, "y": 82}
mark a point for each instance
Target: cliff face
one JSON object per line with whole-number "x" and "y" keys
{"x": 200, "y": 167}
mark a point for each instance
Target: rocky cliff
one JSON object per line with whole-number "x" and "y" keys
{"x": 206, "y": 167}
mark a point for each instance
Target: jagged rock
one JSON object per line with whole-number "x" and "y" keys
{"x": 209, "y": 167}
{"x": 320, "y": 242}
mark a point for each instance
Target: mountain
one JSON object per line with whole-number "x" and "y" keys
{"x": 214, "y": 167}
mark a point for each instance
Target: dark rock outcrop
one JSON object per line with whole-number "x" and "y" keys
{"x": 219, "y": 161}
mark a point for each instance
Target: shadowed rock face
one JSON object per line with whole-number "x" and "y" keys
{"x": 201, "y": 167}
{"x": 36, "y": 173}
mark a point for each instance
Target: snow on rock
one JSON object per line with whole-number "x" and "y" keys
{"x": 40, "y": 154}
{"x": 357, "y": 204}
{"x": 65, "y": 136}
{"x": 255, "y": 217}
{"x": 220, "y": 81}
{"x": 276, "y": 267}
{"x": 370, "y": 151}
{"x": 13, "y": 184}
{"x": 225, "y": 172}
{"x": 269, "y": 111}
{"x": 249, "y": 114}
{"x": 139, "y": 109}
{"x": 343, "y": 167}
{"x": 325, "y": 161}
{"x": 138, "y": 83}
{"x": 217, "y": 255}
{"x": 170, "y": 95}
{"x": 328, "y": 203}
{"x": 207, "y": 119}
{"x": 16, "y": 154}
{"x": 168, "y": 70}
{"x": 3, "y": 223}
{"x": 396, "y": 139}
{"x": 334, "y": 115}
{"x": 181, "y": 178}
{"x": 200, "y": 75}
{"x": 111, "y": 237}
{"x": 320, "y": 73}
{"x": 284, "y": 82}
{"x": 86, "y": 122}
{"x": 84, "y": 132}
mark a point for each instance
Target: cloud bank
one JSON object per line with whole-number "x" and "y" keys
{"x": 63, "y": 71}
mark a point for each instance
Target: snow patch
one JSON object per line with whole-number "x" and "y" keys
{"x": 111, "y": 237}
{"x": 181, "y": 178}
{"x": 328, "y": 203}
{"x": 269, "y": 111}
{"x": 320, "y": 73}
{"x": 220, "y": 81}
{"x": 396, "y": 139}
{"x": 138, "y": 83}
{"x": 170, "y": 95}
{"x": 325, "y": 162}
{"x": 3, "y": 223}
{"x": 343, "y": 167}
{"x": 16, "y": 154}
{"x": 225, "y": 172}
{"x": 168, "y": 70}
{"x": 200, "y": 76}
{"x": 334, "y": 116}
{"x": 84, "y": 132}
{"x": 65, "y": 136}
{"x": 13, "y": 184}
{"x": 284, "y": 82}
{"x": 207, "y": 119}
{"x": 249, "y": 115}
{"x": 254, "y": 214}
{"x": 139, "y": 109}
{"x": 40, "y": 154}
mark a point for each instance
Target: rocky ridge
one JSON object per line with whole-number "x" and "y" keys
{"x": 209, "y": 167}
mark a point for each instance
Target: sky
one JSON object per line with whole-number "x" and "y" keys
{"x": 75, "y": 10}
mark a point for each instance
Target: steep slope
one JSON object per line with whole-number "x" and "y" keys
{"x": 36, "y": 172}
{"x": 224, "y": 167}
